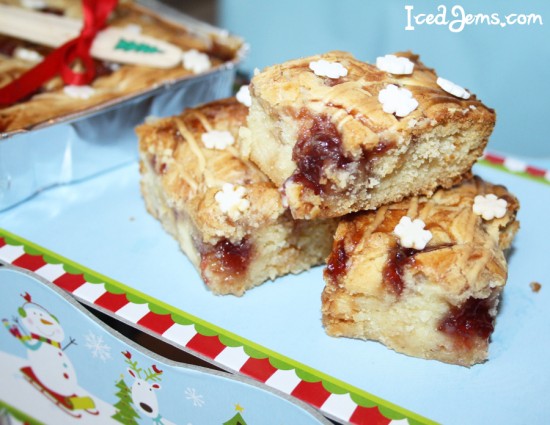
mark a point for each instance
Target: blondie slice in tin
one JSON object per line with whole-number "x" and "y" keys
{"x": 423, "y": 276}
{"x": 227, "y": 216}
{"x": 113, "y": 81}
{"x": 339, "y": 135}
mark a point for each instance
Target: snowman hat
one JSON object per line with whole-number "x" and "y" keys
{"x": 28, "y": 301}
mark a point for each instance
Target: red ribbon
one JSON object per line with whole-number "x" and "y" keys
{"x": 60, "y": 60}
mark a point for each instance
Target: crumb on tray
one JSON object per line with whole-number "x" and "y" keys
{"x": 535, "y": 286}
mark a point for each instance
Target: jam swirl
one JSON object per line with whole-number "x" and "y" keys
{"x": 231, "y": 259}
{"x": 337, "y": 262}
{"x": 317, "y": 147}
{"x": 470, "y": 320}
{"x": 394, "y": 269}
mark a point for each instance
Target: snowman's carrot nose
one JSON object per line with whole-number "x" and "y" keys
{"x": 46, "y": 322}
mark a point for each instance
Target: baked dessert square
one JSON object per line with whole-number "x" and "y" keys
{"x": 423, "y": 276}
{"x": 339, "y": 135}
{"x": 227, "y": 216}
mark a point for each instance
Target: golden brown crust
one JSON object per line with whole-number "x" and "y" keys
{"x": 192, "y": 174}
{"x": 109, "y": 85}
{"x": 378, "y": 290}
{"x": 353, "y": 103}
{"x": 180, "y": 180}
{"x": 292, "y": 105}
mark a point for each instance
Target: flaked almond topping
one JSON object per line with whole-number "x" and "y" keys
{"x": 395, "y": 64}
{"x": 453, "y": 88}
{"x": 411, "y": 233}
{"x": 324, "y": 68}
{"x": 489, "y": 206}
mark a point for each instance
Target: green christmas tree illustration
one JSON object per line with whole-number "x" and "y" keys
{"x": 237, "y": 419}
{"x": 137, "y": 47}
{"x": 125, "y": 413}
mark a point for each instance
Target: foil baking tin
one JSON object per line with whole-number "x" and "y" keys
{"x": 84, "y": 144}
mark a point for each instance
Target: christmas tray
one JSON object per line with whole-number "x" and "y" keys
{"x": 60, "y": 365}
{"x": 95, "y": 240}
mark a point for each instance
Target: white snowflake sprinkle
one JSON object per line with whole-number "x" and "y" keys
{"x": 97, "y": 347}
{"x": 33, "y": 4}
{"x": 453, "y": 88}
{"x": 256, "y": 71}
{"x": 113, "y": 66}
{"x": 150, "y": 119}
{"x": 489, "y": 206}
{"x": 217, "y": 139}
{"x": 395, "y": 64}
{"x": 195, "y": 61}
{"x": 328, "y": 69}
{"x": 411, "y": 233}
{"x": 196, "y": 399}
{"x": 28, "y": 55}
{"x": 231, "y": 200}
{"x": 397, "y": 100}
{"x": 243, "y": 96}
{"x": 79, "y": 92}
{"x": 134, "y": 29}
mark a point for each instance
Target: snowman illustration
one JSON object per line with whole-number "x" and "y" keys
{"x": 50, "y": 370}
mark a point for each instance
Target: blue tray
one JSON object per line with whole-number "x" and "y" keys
{"x": 102, "y": 224}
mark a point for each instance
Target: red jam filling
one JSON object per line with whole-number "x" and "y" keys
{"x": 400, "y": 257}
{"x": 470, "y": 320}
{"x": 228, "y": 258}
{"x": 159, "y": 167}
{"x": 395, "y": 266}
{"x": 336, "y": 263}
{"x": 319, "y": 147}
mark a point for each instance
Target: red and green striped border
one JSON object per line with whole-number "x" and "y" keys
{"x": 514, "y": 166}
{"x": 333, "y": 397}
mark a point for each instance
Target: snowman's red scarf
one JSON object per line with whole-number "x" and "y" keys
{"x": 41, "y": 339}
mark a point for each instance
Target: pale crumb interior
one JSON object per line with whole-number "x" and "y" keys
{"x": 270, "y": 141}
{"x": 439, "y": 156}
{"x": 407, "y": 324}
{"x": 279, "y": 247}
